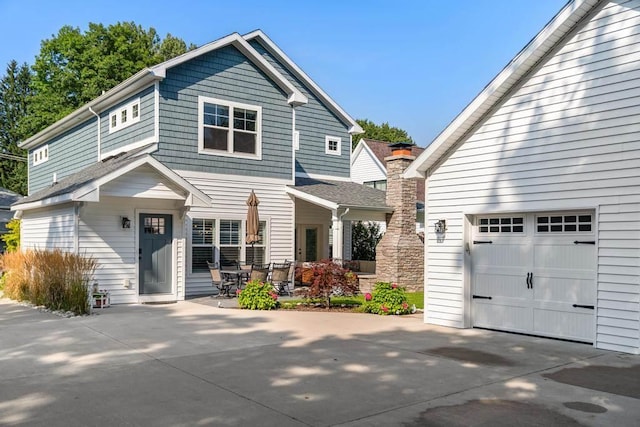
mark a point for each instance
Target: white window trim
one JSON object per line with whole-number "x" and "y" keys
{"x": 118, "y": 115}
{"x": 337, "y": 139}
{"x": 216, "y": 242}
{"x": 229, "y": 153}
{"x": 41, "y": 155}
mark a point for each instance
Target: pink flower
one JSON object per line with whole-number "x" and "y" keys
{"x": 238, "y": 291}
{"x": 405, "y": 305}
{"x": 367, "y": 296}
{"x": 394, "y": 286}
{"x": 384, "y": 308}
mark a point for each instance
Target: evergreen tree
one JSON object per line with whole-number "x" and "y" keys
{"x": 15, "y": 88}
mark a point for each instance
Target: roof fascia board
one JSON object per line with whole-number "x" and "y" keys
{"x": 295, "y": 97}
{"x": 273, "y": 49}
{"x": 312, "y": 199}
{"x": 63, "y": 198}
{"x": 375, "y": 158}
{"x": 133, "y": 84}
{"x": 543, "y": 43}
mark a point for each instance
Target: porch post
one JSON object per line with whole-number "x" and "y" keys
{"x": 336, "y": 229}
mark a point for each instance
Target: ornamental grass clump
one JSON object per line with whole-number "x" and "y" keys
{"x": 257, "y": 295}
{"x": 387, "y": 298}
{"x": 54, "y": 279}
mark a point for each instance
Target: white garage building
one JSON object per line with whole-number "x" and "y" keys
{"x": 538, "y": 184}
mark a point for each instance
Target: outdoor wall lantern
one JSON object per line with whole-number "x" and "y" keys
{"x": 440, "y": 226}
{"x": 126, "y": 222}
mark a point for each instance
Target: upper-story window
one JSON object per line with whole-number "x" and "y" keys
{"x": 229, "y": 128}
{"x": 332, "y": 145}
{"x": 124, "y": 116}
{"x": 41, "y": 155}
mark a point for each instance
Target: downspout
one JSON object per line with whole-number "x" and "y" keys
{"x": 338, "y": 238}
{"x": 99, "y": 133}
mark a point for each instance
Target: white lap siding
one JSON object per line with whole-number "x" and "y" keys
{"x": 49, "y": 228}
{"x": 101, "y": 235}
{"x": 567, "y": 139}
{"x": 229, "y": 196}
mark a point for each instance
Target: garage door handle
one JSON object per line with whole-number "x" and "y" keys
{"x": 531, "y": 281}
{"x": 583, "y": 306}
{"x": 481, "y": 297}
{"x": 528, "y": 280}
{"x": 584, "y": 242}
{"x": 479, "y": 242}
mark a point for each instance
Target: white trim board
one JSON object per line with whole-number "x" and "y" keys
{"x": 274, "y": 50}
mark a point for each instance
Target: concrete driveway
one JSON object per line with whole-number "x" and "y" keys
{"x": 193, "y": 364}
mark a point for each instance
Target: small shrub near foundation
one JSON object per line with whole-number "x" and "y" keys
{"x": 55, "y": 279}
{"x": 387, "y": 298}
{"x": 257, "y": 295}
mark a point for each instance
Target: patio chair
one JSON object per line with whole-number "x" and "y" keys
{"x": 259, "y": 272}
{"x": 222, "y": 283}
{"x": 246, "y": 273}
{"x": 280, "y": 274}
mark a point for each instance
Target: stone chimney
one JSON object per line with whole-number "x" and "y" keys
{"x": 400, "y": 252}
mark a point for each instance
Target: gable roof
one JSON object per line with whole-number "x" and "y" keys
{"x": 570, "y": 18}
{"x": 148, "y": 75}
{"x": 80, "y": 185}
{"x": 339, "y": 194}
{"x": 275, "y": 51}
{"x": 379, "y": 150}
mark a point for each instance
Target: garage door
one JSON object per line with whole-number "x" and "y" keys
{"x": 535, "y": 273}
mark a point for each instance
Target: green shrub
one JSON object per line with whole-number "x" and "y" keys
{"x": 387, "y": 298}
{"x": 12, "y": 237}
{"x": 55, "y": 279}
{"x": 258, "y": 296}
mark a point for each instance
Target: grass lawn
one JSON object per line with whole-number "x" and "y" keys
{"x": 416, "y": 298}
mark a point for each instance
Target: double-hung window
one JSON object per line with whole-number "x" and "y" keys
{"x": 229, "y": 128}
{"x": 223, "y": 241}
{"x": 203, "y": 238}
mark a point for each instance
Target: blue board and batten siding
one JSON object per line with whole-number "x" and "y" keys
{"x": 315, "y": 121}
{"x": 142, "y": 130}
{"x": 68, "y": 153}
{"x": 224, "y": 74}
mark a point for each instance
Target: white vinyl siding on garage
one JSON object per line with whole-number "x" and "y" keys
{"x": 229, "y": 197}
{"x": 51, "y": 228}
{"x": 567, "y": 139}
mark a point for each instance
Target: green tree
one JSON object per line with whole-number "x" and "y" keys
{"x": 15, "y": 88}
{"x": 381, "y": 132}
{"x": 12, "y": 237}
{"x": 74, "y": 67}
{"x": 365, "y": 238}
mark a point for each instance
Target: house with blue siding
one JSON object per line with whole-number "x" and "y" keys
{"x": 151, "y": 178}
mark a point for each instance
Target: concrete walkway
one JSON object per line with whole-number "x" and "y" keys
{"x": 193, "y": 364}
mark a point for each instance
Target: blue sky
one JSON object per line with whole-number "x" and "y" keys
{"x": 414, "y": 64}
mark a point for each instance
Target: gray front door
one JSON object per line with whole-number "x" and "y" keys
{"x": 155, "y": 253}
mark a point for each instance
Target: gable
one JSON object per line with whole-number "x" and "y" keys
{"x": 569, "y": 20}
{"x": 224, "y": 74}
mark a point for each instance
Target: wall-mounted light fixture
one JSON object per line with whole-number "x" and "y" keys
{"x": 440, "y": 226}
{"x": 126, "y": 222}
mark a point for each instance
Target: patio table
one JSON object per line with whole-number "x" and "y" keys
{"x": 235, "y": 276}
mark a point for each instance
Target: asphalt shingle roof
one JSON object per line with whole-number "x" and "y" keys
{"x": 74, "y": 181}
{"x": 343, "y": 193}
{"x": 8, "y": 197}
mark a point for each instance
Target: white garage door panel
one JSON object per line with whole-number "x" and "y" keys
{"x": 563, "y": 275}
{"x": 560, "y": 324}
{"x": 507, "y": 317}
